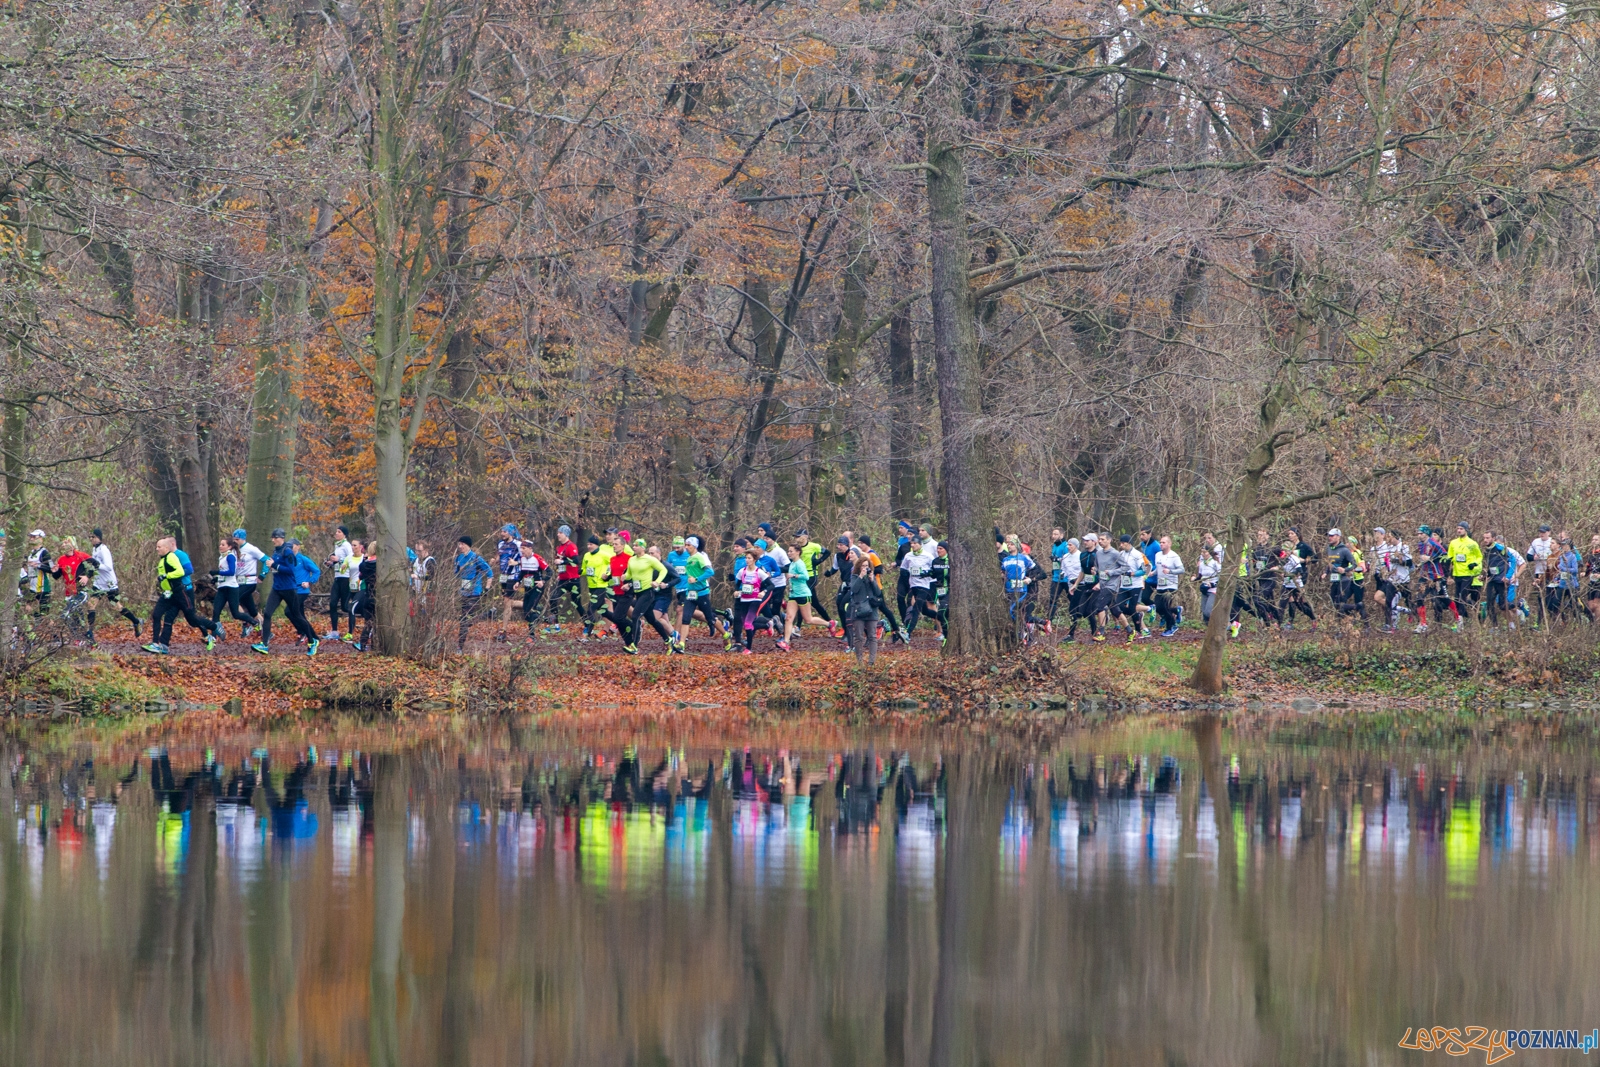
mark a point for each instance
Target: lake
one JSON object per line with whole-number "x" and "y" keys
{"x": 520, "y": 892}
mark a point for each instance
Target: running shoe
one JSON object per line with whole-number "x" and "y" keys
{"x": 552, "y": 629}
{"x": 1422, "y": 628}
{"x": 331, "y": 635}
{"x": 1169, "y": 632}
{"x": 747, "y": 651}
{"x": 136, "y": 629}
{"x": 211, "y": 642}
{"x": 1233, "y": 629}
{"x": 632, "y": 650}
{"x": 153, "y": 648}
{"x": 783, "y": 646}
{"x": 260, "y": 647}
{"x": 1100, "y": 637}
{"x": 311, "y": 649}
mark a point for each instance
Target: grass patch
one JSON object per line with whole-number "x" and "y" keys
{"x": 94, "y": 680}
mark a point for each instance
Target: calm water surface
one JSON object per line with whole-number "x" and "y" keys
{"x": 514, "y": 894}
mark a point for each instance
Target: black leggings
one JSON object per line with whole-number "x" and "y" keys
{"x": 566, "y": 592}
{"x": 293, "y": 610}
{"x": 340, "y": 602}
{"x": 621, "y": 616}
{"x": 921, "y": 604}
{"x": 167, "y": 610}
{"x": 247, "y": 600}
{"x": 228, "y": 597}
{"x": 596, "y": 610}
{"x": 530, "y": 605}
{"x": 1056, "y": 591}
{"x": 109, "y": 595}
{"x": 702, "y": 606}
{"x": 1295, "y": 600}
{"x": 749, "y": 617}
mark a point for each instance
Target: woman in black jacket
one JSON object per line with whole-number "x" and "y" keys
{"x": 862, "y": 621}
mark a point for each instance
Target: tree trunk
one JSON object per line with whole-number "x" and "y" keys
{"x": 835, "y": 476}
{"x": 388, "y": 909}
{"x": 908, "y": 489}
{"x": 978, "y": 619}
{"x": 163, "y": 479}
{"x": 1207, "y": 677}
{"x": 274, "y": 417}
{"x": 472, "y": 466}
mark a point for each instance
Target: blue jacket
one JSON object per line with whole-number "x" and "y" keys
{"x": 306, "y": 569}
{"x": 472, "y": 571}
{"x": 1057, "y": 553}
{"x": 188, "y": 568}
{"x": 1150, "y": 548}
{"x": 677, "y": 562}
{"x": 1016, "y": 569}
{"x": 283, "y": 568}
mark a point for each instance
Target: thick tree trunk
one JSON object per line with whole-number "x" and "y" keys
{"x": 978, "y": 619}
{"x": 393, "y": 614}
{"x": 388, "y": 909}
{"x": 274, "y": 418}
{"x": 835, "y": 474}
{"x": 908, "y": 489}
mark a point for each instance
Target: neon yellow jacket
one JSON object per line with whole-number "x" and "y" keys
{"x": 1466, "y": 558}
{"x": 597, "y": 567}
{"x": 644, "y": 571}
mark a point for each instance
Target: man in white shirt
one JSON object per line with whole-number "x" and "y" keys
{"x": 104, "y": 586}
{"x": 1169, "y": 568}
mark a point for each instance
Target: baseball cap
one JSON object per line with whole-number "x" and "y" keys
{"x": 1090, "y": 537}
{"x": 802, "y": 532}
{"x": 1379, "y": 529}
{"x": 37, "y": 533}
{"x": 1335, "y": 532}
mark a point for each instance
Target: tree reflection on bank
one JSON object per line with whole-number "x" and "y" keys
{"x": 1124, "y": 896}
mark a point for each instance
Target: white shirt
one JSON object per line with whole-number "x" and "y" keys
{"x": 1209, "y": 567}
{"x": 919, "y": 569}
{"x": 1539, "y": 552}
{"x": 250, "y": 558}
{"x": 227, "y": 581}
{"x": 1169, "y": 568}
{"x": 1072, "y": 566}
{"x": 105, "y": 575}
{"x": 781, "y": 558}
{"x": 1138, "y": 566}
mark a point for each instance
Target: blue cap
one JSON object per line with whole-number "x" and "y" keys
{"x": 239, "y": 533}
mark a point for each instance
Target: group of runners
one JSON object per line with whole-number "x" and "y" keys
{"x": 618, "y": 584}
{"x": 1133, "y": 583}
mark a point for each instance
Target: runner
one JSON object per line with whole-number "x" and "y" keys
{"x": 941, "y": 590}
{"x": 1266, "y": 563}
{"x": 568, "y": 580}
{"x": 175, "y": 599}
{"x": 423, "y": 566}
{"x": 1342, "y": 567}
{"x": 1208, "y": 572}
{"x": 1564, "y": 594}
{"x": 37, "y": 567}
{"x": 813, "y": 554}
{"x": 1084, "y": 590}
{"x": 1169, "y": 569}
{"x": 289, "y": 577}
{"x": 1497, "y": 570}
{"x": 597, "y": 578}
{"x": 533, "y": 579}
{"x": 227, "y": 577}
{"x": 251, "y": 562}
{"x": 473, "y": 574}
{"x": 366, "y": 608}
{"x": 917, "y": 566}
{"x": 697, "y": 594}
{"x": 1466, "y": 565}
{"x": 342, "y": 561}
{"x": 798, "y": 602}
{"x": 104, "y": 587}
{"x": 1130, "y": 598}
{"x": 751, "y": 583}
{"x": 652, "y": 584}
{"x": 1294, "y": 584}
{"x": 70, "y": 566}
{"x": 508, "y": 562}
{"x": 1061, "y": 578}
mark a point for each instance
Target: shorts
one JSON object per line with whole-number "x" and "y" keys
{"x": 800, "y": 600}
{"x": 1103, "y": 600}
{"x": 114, "y": 595}
{"x": 663, "y": 602}
{"x": 511, "y": 588}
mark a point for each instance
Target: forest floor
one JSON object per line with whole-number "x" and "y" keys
{"x": 1055, "y": 677}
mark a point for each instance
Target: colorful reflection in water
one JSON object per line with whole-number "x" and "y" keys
{"x": 571, "y": 901}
